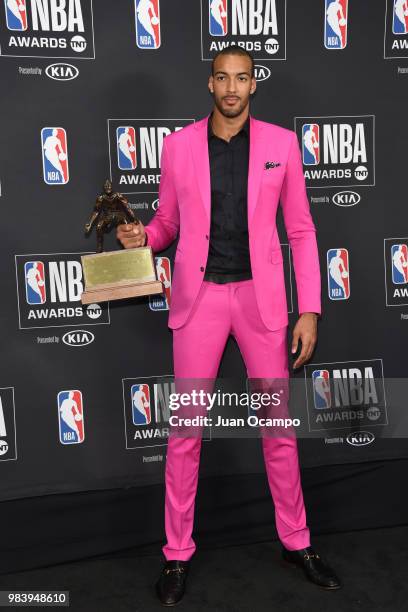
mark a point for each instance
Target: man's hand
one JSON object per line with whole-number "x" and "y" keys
{"x": 305, "y": 330}
{"x": 131, "y": 235}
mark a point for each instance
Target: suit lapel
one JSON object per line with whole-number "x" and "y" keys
{"x": 199, "y": 151}
{"x": 257, "y": 147}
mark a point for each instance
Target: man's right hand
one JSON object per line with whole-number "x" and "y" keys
{"x": 131, "y": 235}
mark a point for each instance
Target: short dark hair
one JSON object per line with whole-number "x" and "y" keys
{"x": 234, "y": 50}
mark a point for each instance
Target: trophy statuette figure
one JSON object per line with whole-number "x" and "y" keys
{"x": 115, "y": 275}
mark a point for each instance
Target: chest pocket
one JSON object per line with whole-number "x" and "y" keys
{"x": 272, "y": 178}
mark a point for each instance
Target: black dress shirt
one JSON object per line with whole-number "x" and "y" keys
{"x": 228, "y": 256}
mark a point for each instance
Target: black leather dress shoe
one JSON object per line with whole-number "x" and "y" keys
{"x": 315, "y": 568}
{"x": 171, "y": 584}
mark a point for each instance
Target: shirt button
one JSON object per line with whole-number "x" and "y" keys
{"x": 202, "y": 269}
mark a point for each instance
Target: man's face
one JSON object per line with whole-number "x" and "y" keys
{"x": 231, "y": 84}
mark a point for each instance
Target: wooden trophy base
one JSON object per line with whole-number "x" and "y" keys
{"x": 115, "y": 292}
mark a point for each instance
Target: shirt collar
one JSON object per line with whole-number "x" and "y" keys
{"x": 244, "y": 129}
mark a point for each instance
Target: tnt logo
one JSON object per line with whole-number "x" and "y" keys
{"x": 126, "y": 147}
{"x": 148, "y": 24}
{"x": 338, "y": 274}
{"x": 311, "y": 144}
{"x": 16, "y": 14}
{"x": 335, "y": 24}
{"x": 218, "y": 17}
{"x": 141, "y": 410}
{"x": 35, "y": 282}
{"x": 163, "y": 269}
{"x": 70, "y": 417}
{"x": 400, "y": 17}
{"x": 399, "y": 263}
{"x": 321, "y": 389}
{"x": 54, "y": 156}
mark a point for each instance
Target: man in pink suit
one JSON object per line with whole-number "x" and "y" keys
{"x": 221, "y": 182}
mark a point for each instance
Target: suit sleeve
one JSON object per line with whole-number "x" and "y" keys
{"x": 301, "y": 232}
{"x": 164, "y": 226}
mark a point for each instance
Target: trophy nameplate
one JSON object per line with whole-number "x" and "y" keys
{"x": 115, "y": 275}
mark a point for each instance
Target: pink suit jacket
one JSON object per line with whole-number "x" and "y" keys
{"x": 185, "y": 207}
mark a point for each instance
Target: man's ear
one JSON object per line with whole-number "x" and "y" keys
{"x": 211, "y": 84}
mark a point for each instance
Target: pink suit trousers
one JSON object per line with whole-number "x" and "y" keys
{"x": 198, "y": 345}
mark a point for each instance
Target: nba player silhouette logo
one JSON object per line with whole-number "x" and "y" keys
{"x": 399, "y": 264}
{"x": 16, "y": 15}
{"x": 338, "y": 274}
{"x": 335, "y": 24}
{"x": 311, "y": 144}
{"x": 218, "y": 18}
{"x": 126, "y": 147}
{"x": 141, "y": 410}
{"x": 35, "y": 282}
{"x": 321, "y": 389}
{"x": 54, "y": 155}
{"x": 148, "y": 34}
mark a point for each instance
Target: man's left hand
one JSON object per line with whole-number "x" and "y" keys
{"x": 305, "y": 330}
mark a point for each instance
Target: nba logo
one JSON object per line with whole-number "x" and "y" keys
{"x": 54, "y": 156}
{"x": 34, "y": 275}
{"x": 400, "y": 17}
{"x": 218, "y": 17}
{"x": 335, "y": 24}
{"x": 162, "y": 302}
{"x": 141, "y": 411}
{"x": 321, "y": 389}
{"x": 126, "y": 146}
{"x": 148, "y": 24}
{"x": 70, "y": 417}
{"x": 399, "y": 264}
{"x": 16, "y": 14}
{"x": 338, "y": 274}
{"x": 311, "y": 144}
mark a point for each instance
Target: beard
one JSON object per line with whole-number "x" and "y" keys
{"x": 231, "y": 112}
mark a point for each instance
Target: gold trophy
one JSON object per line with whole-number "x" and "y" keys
{"x": 115, "y": 275}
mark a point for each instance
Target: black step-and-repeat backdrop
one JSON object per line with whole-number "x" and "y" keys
{"x": 89, "y": 91}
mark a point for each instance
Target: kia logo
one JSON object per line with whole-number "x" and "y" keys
{"x": 262, "y": 72}
{"x": 62, "y": 72}
{"x": 360, "y": 438}
{"x": 346, "y": 198}
{"x": 79, "y": 337}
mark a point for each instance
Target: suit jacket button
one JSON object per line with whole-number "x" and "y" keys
{"x": 202, "y": 269}
{"x": 206, "y": 236}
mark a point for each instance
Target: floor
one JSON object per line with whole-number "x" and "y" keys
{"x": 372, "y": 564}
